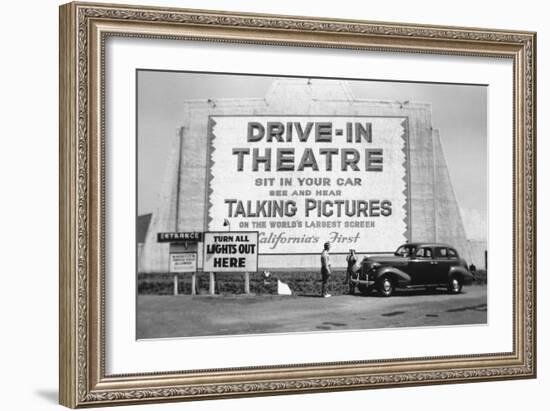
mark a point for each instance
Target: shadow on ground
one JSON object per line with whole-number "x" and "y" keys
{"x": 50, "y": 395}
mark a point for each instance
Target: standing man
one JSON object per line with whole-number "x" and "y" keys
{"x": 352, "y": 260}
{"x": 325, "y": 270}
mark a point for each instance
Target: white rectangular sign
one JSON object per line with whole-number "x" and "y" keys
{"x": 231, "y": 251}
{"x": 183, "y": 262}
{"x": 304, "y": 180}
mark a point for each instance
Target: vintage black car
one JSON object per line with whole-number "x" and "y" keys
{"x": 413, "y": 265}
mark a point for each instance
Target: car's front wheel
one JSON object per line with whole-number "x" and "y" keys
{"x": 455, "y": 285}
{"x": 385, "y": 286}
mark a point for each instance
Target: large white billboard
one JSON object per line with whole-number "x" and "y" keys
{"x": 303, "y": 180}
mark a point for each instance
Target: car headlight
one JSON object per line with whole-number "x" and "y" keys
{"x": 374, "y": 266}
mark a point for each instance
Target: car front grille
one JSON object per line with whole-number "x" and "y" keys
{"x": 364, "y": 275}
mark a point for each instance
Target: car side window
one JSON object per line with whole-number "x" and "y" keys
{"x": 424, "y": 252}
{"x": 452, "y": 253}
{"x": 441, "y": 252}
{"x": 405, "y": 251}
{"x": 401, "y": 251}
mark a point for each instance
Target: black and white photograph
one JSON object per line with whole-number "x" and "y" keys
{"x": 271, "y": 204}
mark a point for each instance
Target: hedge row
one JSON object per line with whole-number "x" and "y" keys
{"x": 301, "y": 283}
{"x": 480, "y": 277}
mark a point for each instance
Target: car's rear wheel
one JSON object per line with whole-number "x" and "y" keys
{"x": 455, "y": 285}
{"x": 385, "y": 286}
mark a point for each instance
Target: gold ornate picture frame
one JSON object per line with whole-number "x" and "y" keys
{"x": 84, "y": 30}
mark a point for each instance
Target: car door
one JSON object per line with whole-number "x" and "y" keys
{"x": 441, "y": 269}
{"x": 420, "y": 266}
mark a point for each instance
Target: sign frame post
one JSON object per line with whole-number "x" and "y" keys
{"x": 194, "y": 283}
{"x": 176, "y": 283}
{"x": 212, "y": 284}
{"x": 247, "y": 282}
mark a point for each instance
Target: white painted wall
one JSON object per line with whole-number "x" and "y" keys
{"x": 28, "y": 188}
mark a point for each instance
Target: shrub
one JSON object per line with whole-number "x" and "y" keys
{"x": 302, "y": 282}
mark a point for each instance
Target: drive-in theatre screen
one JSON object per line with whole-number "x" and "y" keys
{"x": 304, "y": 180}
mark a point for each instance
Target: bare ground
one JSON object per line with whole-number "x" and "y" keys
{"x": 186, "y": 316}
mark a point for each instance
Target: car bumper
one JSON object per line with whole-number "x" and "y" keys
{"x": 356, "y": 281}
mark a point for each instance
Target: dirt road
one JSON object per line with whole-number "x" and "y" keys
{"x": 186, "y": 316}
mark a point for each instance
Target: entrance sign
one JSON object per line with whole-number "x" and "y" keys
{"x": 173, "y": 237}
{"x": 231, "y": 251}
{"x": 304, "y": 180}
{"x": 183, "y": 262}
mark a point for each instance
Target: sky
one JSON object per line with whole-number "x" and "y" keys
{"x": 459, "y": 112}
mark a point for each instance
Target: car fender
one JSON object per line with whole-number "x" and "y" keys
{"x": 401, "y": 277}
{"x": 465, "y": 275}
